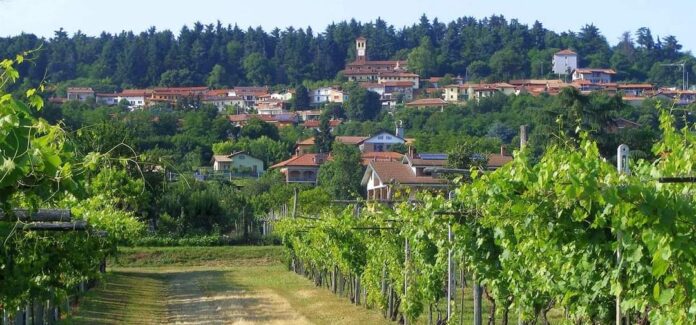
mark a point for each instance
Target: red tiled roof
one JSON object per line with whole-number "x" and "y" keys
{"x": 591, "y": 70}
{"x": 566, "y": 52}
{"x": 398, "y": 83}
{"x": 367, "y": 157}
{"x": 80, "y": 90}
{"x": 427, "y": 102}
{"x": 635, "y": 86}
{"x": 305, "y": 160}
{"x": 352, "y": 140}
{"x": 315, "y": 123}
{"x": 390, "y": 172}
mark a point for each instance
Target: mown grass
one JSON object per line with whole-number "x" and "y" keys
{"x": 123, "y": 298}
{"x": 197, "y": 256}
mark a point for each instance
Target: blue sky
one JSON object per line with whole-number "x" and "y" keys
{"x": 613, "y": 17}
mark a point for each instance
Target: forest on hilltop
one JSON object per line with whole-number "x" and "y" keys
{"x": 216, "y": 55}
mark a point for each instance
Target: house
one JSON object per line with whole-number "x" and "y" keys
{"x": 337, "y": 96}
{"x": 428, "y": 103}
{"x": 306, "y": 145}
{"x": 368, "y": 157}
{"x": 238, "y": 163}
{"x": 302, "y": 168}
{"x": 395, "y": 91}
{"x": 314, "y": 124}
{"x": 436, "y": 82}
{"x": 309, "y": 115}
{"x": 679, "y": 97}
{"x": 399, "y": 74}
{"x": 222, "y": 102}
{"x": 280, "y": 120}
{"x": 382, "y": 141}
{"x": 319, "y": 96}
{"x": 249, "y": 94}
{"x": 631, "y": 89}
{"x": 596, "y": 76}
{"x": 536, "y": 87}
{"x": 172, "y": 96}
{"x": 386, "y": 180}
{"x": 564, "y": 62}
{"x": 136, "y": 98}
{"x": 363, "y": 70}
{"x": 270, "y": 106}
{"x": 285, "y": 96}
{"x": 79, "y": 93}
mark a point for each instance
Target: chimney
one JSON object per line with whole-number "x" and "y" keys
{"x": 523, "y": 136}
{"x": 400, "y": 129}
{"x": 502, "y": 150}
{"x": 411, "y": 151}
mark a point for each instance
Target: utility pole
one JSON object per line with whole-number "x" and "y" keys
{"x": 681, "y": 64}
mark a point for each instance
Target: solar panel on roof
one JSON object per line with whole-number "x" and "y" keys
{"x": 433, "y": 156}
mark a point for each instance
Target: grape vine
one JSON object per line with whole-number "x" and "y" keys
{"x": 536, "y": 235}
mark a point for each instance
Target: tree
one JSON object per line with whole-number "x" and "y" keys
{"x": 301, "y": 98}
{"x": 477, "y": 70}
{"x": 258, "y": 69}
{"x": 506, "y": 64}
{"x": 362, "y": 104}
{"x": 217, "y": 77}
{"x": 464, "y": 156}
{"x": 341, "y": 175}
{"x": 177, "y": 78}
{"x": 422, "y": 59}
{"x": 323, "y": 139}
{"x": 256, "y": 128}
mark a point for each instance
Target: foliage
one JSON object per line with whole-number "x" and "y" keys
{"x": 341, "y": 175}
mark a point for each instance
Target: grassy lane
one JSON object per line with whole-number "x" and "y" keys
{"x": 212, "y": 285}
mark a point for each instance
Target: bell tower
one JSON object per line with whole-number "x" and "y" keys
{"x": 361, "y": 49}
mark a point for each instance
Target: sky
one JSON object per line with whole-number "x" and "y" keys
{"x": 612, "y": 17}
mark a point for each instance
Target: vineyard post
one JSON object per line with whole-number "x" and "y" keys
{"x": 477, "y": 300}
{"x": 622, "y": 166}
{"x": 450, "y": 272}
{"x": 405, "y": 274}
{"x": 450, "y": 265}
{"x": 294, "y": 203}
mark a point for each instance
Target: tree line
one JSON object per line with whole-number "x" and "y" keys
{"x": 217, "y": 55}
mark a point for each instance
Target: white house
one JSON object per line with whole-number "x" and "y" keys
{"x": 382, "y": 141}
{"x": 238, "y": 163}
{"x": 565, "y": 62}
{"x": 319, "y": 96}
{"x": 79, "y": 94}
{"x": 596, "y": 76}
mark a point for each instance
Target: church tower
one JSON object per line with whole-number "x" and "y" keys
{"x": 361, "y": 49}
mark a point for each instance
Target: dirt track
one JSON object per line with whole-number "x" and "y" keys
{"x": 200, "y": 297}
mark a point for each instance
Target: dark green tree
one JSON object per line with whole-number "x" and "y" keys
{"x": 341, "y": 175}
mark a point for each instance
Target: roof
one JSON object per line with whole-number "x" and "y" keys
{"x": 405, "y": 83}
{"x": 566, "y": 52}
{"x": 427, "y": 102}
{"x": 539, "y": 82}
{"x": 634, "y": 86}
{"x": 315, "y": 123}
{"x": 367, "y": 157}
{"x": 80, "y": 90}
{"x": 497, "y": 160}
{"x": 360, "y": 38}
{"x": 305, "y": 160}
{"x": 353, "y": 140}
{"x": 397, "y": 74}
{"x": 227, "y": 158}
{"x": 390, "y": 172}
{"x": 270, "y": 118}
{"x": 591, "y": 70}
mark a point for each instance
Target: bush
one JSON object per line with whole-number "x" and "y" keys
{"x": 209, "y": 240}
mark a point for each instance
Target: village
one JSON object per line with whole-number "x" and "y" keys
{"x": 387, "y": 171}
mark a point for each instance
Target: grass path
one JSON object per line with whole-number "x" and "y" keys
{"x": 244, "y": 287}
